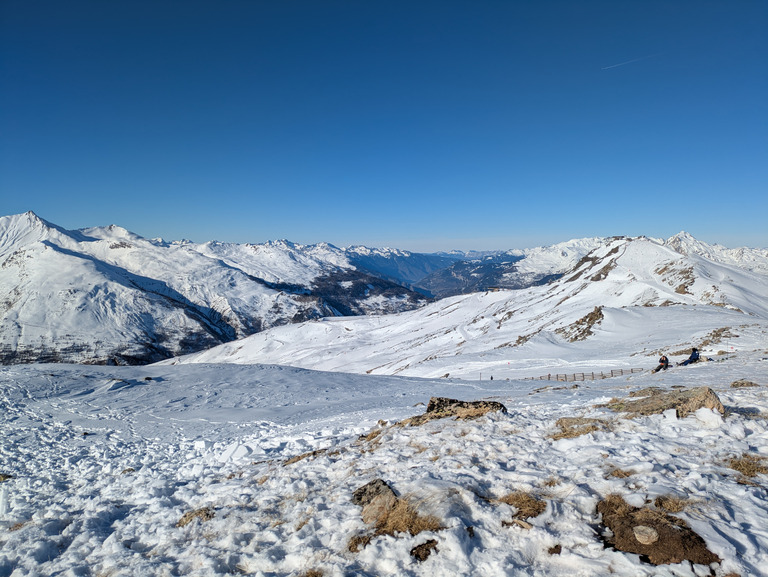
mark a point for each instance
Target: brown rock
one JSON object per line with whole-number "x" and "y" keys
{"x": 455, "y": 407}
{"x": 742, "y": 383}
{"x": 376, "y": 498}
{"x": 684, "y": 402}
{"x": 442, "y": 407}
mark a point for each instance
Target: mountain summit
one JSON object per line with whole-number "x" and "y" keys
{"x": 106, "y": 295}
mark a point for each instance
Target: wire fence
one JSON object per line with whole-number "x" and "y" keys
{"x": 585, "y": 376}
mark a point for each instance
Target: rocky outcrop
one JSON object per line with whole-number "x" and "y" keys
{"x": 684, "y": 402}
{"x": 443, "y": 407}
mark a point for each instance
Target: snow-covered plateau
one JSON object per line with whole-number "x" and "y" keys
{"x": 102, "y": 466}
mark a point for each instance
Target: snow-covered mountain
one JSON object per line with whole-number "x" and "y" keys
{"x": 511, "y": 269}
{"x": 104, "y": 294}
{"x": 223, "y": 469}
{"x": 616, "y": 291}
{"x": 108, "y": 295}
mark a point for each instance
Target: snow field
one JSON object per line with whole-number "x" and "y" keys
{"x": 219, "y": 436}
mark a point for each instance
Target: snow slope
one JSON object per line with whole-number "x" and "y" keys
{"x": 108, "y": 295}
{"x": 101, "y": 463}
{"x": 98, "y": 464}
{"x": 639, "y": 291}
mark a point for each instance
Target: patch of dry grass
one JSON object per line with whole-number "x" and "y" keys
{"x": 618, "y": 504}
{"x": 460, "y": 414}
{"x": 672, "y": 504}
{"x": 303, "y": 456}
{"x": 358, "y": 542}
{"x": 748, "y": 465}
{"x": 204, "y": 514}
{"x": 404, "y": 518}
{"x": 370, "y": 436}
{"x": 312, "y": 573}
{"x": 620, "y": 473}
{"x": 526, "y": 504}
{"x": 571, "y": 427}
{"x": 417, "y": 447}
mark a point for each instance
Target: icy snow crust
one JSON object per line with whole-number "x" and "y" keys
{"x": 166, "y": 440}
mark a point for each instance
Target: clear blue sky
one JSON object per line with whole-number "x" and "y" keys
{"x": 414, "y": 124}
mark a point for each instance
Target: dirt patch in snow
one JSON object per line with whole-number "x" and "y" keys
{"x": 657, "y": 537}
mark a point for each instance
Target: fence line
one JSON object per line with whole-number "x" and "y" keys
{"x": 585, "y": 376}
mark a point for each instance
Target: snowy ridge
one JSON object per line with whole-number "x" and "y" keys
{"x": 752, "y": 259}
{"x": 107, "y": 295}
{"x": 635, "y": 284}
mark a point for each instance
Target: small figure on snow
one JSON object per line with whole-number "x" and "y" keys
{"x": 663, "y": 364}
{"x": 692, "y": 359}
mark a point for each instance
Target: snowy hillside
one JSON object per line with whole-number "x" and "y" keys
{"x": 638, "y": 291}
{"x": 201, "y": 466}
{"x": 107, "y": 295}
{"x": 207, "y": 470}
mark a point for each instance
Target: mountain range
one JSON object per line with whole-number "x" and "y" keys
{"x": 105, "y": 295}
{"x": 650, "y": 296}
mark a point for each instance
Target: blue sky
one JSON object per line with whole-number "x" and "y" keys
{"x": 416, "y": 124}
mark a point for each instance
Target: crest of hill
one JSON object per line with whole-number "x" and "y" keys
{"x": 105, "y": 294}
{"x": 629, "y": 295}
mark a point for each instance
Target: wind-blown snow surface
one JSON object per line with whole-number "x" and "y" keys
{"x": 166, "y": 440}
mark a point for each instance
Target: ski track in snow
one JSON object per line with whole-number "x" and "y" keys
{"x": 166, "y": 440}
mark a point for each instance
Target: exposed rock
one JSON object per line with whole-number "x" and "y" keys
{"x": 376, "y": 498}
{"x": 684, "y": 402}
{"x": 645, "y": 534}
{"x": 742, "y": 383}
{"x": 421, "y": 552}
{"x": 582, "y": 328}
{"x": 647, "y": 392}
{"x": 442, "y": 407}
{"x": 451, "y": 407}
{"x": 658, "y": 537}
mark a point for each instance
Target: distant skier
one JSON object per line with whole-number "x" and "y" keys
{"x": 663, "y": 364}
{"x": 692, "y": 359}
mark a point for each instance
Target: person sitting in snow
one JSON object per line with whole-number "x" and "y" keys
{"x": 692, "y": 359}
{"x": 663, "y": 364}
